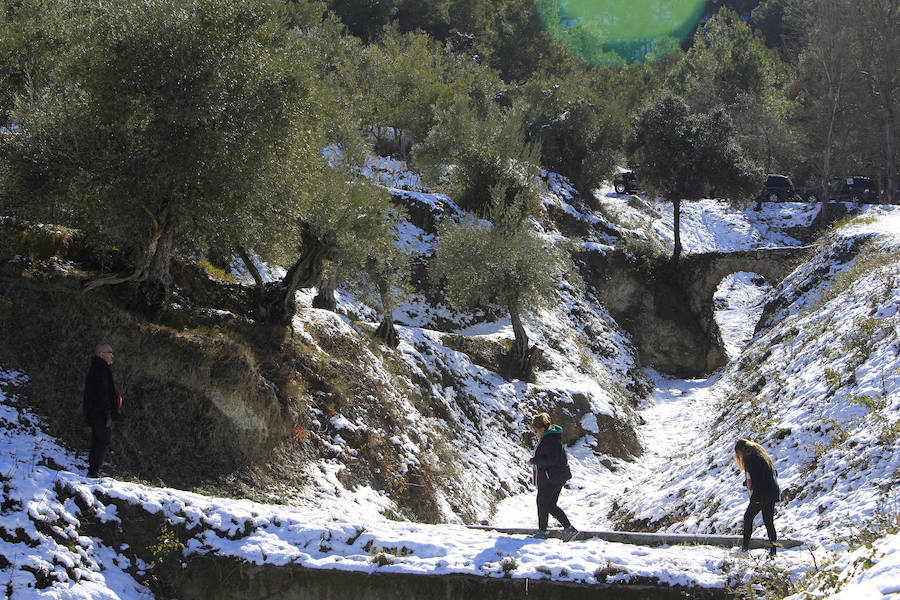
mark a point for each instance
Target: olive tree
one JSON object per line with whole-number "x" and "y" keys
{"x": 342, "y": 217}
{"x": 503, "y": 262}
{"x": 159, "y": 123}
{"x": 680, "y": 155}
{"x": 382, "y": 277}
{"x": 580, "y": 131}
{"x": 474, "y": 151}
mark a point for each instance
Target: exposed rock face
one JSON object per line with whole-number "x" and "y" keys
{"x": 669, "y": 312}
{"x": 196, "y": 405}
{"x": 654, "y": 310}
{"x": 617, "y": 438}
{"x": 614, "y": 436}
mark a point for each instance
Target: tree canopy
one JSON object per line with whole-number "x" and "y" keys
{"x": 160, "y": 123}
{"x": 685, "y": 156}
{"x": 503, "y": 262}
{"x": 212, "y": 126}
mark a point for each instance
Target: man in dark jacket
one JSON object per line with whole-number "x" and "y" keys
{"x": 102, "y": 404}
{"x": 551, "y": 472}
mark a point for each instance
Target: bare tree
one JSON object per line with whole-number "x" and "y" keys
{"x": 827, "y": 69}
{"x": 878, "y": 24}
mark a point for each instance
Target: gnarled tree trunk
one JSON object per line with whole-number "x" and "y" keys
{"x": 386, "y": 331}
{"x": 279, "y": 306}
{"x": 324, "y": 297}
{"x": 152, "y": 269}
{"x": 522, "y": 358}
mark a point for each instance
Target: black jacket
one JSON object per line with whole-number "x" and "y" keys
{"x": 551, "y": 465}
{"x": 764, "y": 488}
{"x": 101, "y": 397}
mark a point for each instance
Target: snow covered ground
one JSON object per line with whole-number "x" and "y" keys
{"x": 812, "y": 375}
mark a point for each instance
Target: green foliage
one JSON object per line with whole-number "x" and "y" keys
{"x": 162, "y": 123}
{"x": 383, "y": 558}
{"x": 509, "y": 564}
{"x": 404, "y": 80}
{"x": 726, "y": 61}
{"x": 514, "y": 41}
{"x": 31, "y": 34}
{"x": 683, "y": 155}
{"x": 166, "y": 548}
{"x": 768, "y": 18}
{"x": 643, "y": 248}
{"x": 869, "y": 402}
{"x": 504, "y": 262}
{"x": 487, "y": 151}
{"x": 860, "y": 342}
{"x": 580, "y": 132}
{"x": 375, "y": 266}
{"x": 355, "y": 213}
{"x": 729, "y": 66}
{"x": 832, "y": 378}
{"x": 216, "y": 272}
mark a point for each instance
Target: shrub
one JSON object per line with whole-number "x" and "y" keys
{"x": 383, "y": 559}
{"x": 509, "y": 564}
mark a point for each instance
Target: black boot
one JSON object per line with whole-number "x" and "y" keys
{"x": 772, "y": 551}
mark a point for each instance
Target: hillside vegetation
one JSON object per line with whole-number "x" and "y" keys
{"x": 237, "y": 407}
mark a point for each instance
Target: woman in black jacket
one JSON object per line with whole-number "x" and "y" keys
{"x": 550, "y": 473}
{"x": 759, "y": 477}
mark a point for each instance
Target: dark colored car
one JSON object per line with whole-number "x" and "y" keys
{"x": 626, "y": 183}
{"x": 853, "y": 189}
{"x": 846, "y": 189}
{"x": 778, "y": 188}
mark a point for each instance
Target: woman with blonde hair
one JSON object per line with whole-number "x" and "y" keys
{"x": 759, "y": 477}
{"x": 550, "y": 472}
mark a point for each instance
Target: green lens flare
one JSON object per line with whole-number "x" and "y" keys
{"x": 616, "y": 32}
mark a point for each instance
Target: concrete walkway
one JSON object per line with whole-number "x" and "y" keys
{"x": 651, "y": 539}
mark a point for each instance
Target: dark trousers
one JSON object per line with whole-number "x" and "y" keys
{"x": 768, "y": 513}
{"x": 546, "y": 505}
{"x": 100, "y": 437}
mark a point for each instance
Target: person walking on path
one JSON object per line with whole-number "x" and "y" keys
{"x": 550, "y": 473}
{"x": 102, "y": 404}
{"x": 759, "y": 477}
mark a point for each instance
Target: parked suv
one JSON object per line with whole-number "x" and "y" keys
{"x": 626, "y": 183}
{"x": 778, "y": 188}
{"x": 853, "y": 189}
{"x": 847, "y": 189}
